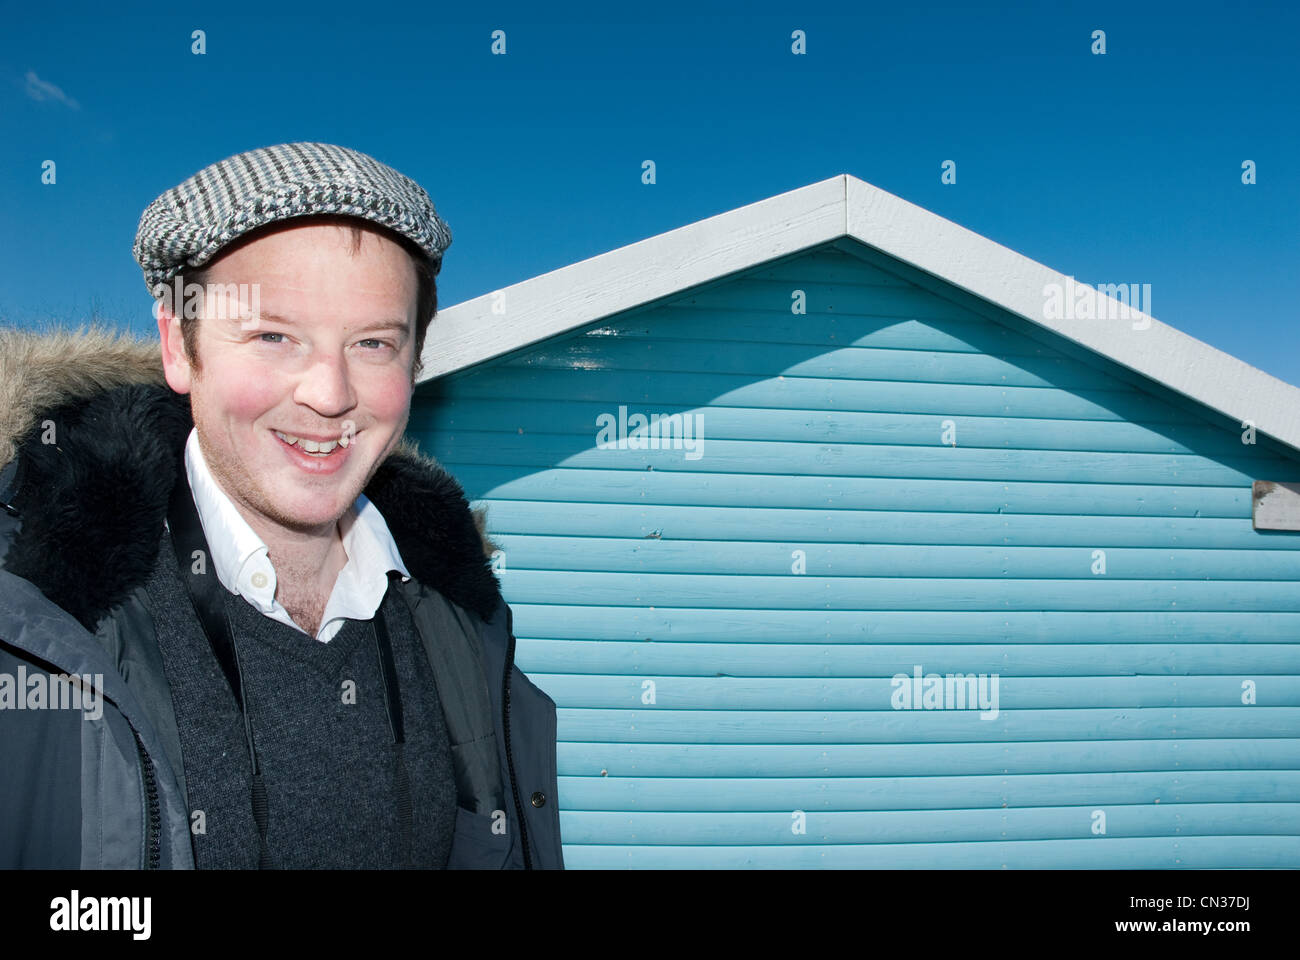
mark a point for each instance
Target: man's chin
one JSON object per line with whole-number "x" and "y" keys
{"x": 309, "y": 521}
{"x": 306, "y": 512}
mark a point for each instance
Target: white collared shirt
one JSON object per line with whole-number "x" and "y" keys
{"x": 243, "y": 565}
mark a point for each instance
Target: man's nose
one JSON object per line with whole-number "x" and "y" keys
{"x": 325, "y": 385}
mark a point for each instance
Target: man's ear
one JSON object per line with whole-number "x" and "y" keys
{"x": 176, "y": 365}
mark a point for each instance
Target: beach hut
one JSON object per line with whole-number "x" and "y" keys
{"x": 843, "y": 536}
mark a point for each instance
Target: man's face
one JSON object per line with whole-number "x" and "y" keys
{"x": 328, "y": 358}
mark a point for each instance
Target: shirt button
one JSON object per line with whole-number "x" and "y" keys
{"x": 539, "y": 799}
{"x": 259, "y": 580}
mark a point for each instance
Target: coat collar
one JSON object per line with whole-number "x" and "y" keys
{"x": 101, "y": 435}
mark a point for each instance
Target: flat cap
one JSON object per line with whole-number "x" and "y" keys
{"x": 191, "y": 222}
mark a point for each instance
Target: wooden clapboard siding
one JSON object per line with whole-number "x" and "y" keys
{"x": 823, "y": 434}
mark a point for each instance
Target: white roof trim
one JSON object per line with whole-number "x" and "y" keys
{"x": 591, "y": 290}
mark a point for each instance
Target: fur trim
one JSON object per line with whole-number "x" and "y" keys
{"x": 92, "y": 503}
{"x": 43, "y": 370}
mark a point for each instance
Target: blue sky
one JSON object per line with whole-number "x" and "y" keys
{"x": 1123, "y": 168}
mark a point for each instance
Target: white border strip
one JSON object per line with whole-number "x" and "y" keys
{"x": 571, "y": 297}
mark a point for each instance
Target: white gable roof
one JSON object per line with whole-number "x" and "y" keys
{"x": 844, "y": 206}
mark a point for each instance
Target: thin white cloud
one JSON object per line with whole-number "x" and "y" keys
{"x": 39, "y": 89}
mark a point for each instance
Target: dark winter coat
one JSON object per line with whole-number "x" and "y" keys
{"x": 80, "y": 521}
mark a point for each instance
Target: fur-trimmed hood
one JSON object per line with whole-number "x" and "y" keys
{"x": 91, "y": 504}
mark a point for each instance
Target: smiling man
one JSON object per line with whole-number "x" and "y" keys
{"x": 304, "y": 658}
{"x": 299, "y": 402}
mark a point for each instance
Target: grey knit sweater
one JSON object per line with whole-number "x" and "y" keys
{"x": 321, "y": 732}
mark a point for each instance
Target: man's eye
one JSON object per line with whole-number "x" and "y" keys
{"x": 377, "y": 343}
{"x": 264, "y": 335}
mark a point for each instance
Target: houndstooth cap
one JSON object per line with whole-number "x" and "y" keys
{"x": 191, "y": 222}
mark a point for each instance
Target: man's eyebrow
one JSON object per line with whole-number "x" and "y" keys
{"x": 388, "y": 323}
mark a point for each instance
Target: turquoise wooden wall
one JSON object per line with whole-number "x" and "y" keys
{"x": 948, "y": 473}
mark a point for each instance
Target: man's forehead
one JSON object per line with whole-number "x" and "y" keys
{"x": 306, "y": 270}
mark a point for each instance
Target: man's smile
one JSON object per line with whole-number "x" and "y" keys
{"x": 319, "y": 444}
{"x": 319, "y": 457}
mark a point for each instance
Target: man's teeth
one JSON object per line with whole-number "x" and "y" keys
{"x": 312, "y": 446}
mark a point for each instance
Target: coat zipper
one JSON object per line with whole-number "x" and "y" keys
{"x": 153, "y": 833}
{"x": 505, "y": 710}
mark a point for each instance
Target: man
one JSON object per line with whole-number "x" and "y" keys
{"x": 289, "y": 645}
